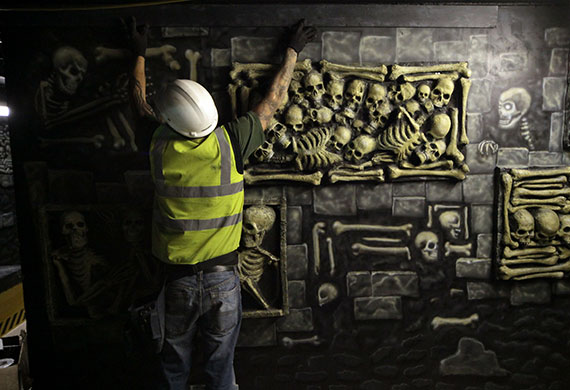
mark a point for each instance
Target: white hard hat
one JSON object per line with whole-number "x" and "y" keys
{"x": 188, "y": 108}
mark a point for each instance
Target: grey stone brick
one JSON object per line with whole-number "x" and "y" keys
{"x": 553, "y": 91}
{"x": 473, "y": 268}
{"x": 395, "y": 283}
{"x": 485, "y": 290}
{"x": 294, "y": 225}
{"x": 530, "y": 292}
{"x": 299, "y": 196}
{"x": 409, "y": 189}
{"x": 478, "y": 189}
{"x": 479, "y": 69}
{"x": 414, "y": 44}
{"x": 335, "y": 200}
{"x": 556, "y": 132}
{"x": 479, "y": 48}
{"x": 312, "y": 51}
{"x": 374, "y": 197}
{"x": 378, "y": 308}
{"x": 450, "y": 51}
{"x": 297, "y": 294}
{"x": 512, "y": 157}
{"x": 485, "y": 245}
{"x": 257, "y": 333}
{"x": 477, "y": 162}
{"x": 298, "y": 320}
{"x": 473, "y": 359}
{"x": 566, "y": 158}
{"x": 409, "y": 207}
{"x": 479, "y": 96}
{"x": 557, "y": 36}
{"x": 253, "y": 49}
{"x": 513, "y": 62}
{"x": 273, "y": 192}
{"x": 359, "y": 284}
{"x": 558, "y": 62}
{"x": 482, "y": 218}
{"x": 297, "y": 261}
{"x": 253, "y": 194}
{"x": 440, "y": 191}
{"x": 341, "y": 47}
{"x": 475, "y": 127}
{"x": 561, "y": 287}
{"x": 221, "y": 57}
{"x": 376, "y": 50}
{"x": 538, "y": 159}
{"x": 7, "y": 219}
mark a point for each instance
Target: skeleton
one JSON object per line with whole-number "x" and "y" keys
{"x": 314, "y": 87}
{"x": 531, "y": 260}
{"x": 522, "y": 230}
{"x": 458, "y": 249}
{"x": 341, "y": 136}
{"x": 382, "y": 240}
{"x": 360, "y": 147}
{"x": 288, "y": 342}
{"x": 257, "y": 221}
{"x": 401, "y": 92}
{"x": 440, "y": 126}
{"x": 311, "y": 150}
{"x": 452, "y": 150}
{"x": 395, "y": 172}
{"x": 564, "y": 232}
{"x": 547, "y": 225}
{"x": 297, "y": 94}
{"x": 428, "y": 152}
{"x": 337, "y": 71}
{"x": 518, "y": 192}
{"x": 333, "y": 94}
{"x": 318, "y": 229}
{"x": 332, "y": 263}
{"x": 450, "y": 222}
{"x": 542, "y": 183}
{"x": 327, "y": 293}
{"x": 507, "y": 181}
{"x": 377, "y": 96}
{"x": 264, "y": 152}
{"x": 514, "y": 104}
{"x": 278, "y": 134}
{"x": 555, "y": 271}
{"x": 313, "y": 178}
{"x": 193, "y": 57}
{"x": 399, "y": 70}
{"x": 339, "y": 228}
{"x": 439, "y": 322}
{"x": 361, "y": 249}
{"x": 294, "y": 118}
{"x": 442, "y": 92}
{"x": 427, "y": 242}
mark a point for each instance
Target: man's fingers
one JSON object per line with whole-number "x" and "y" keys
{"x": 133, "y": 26}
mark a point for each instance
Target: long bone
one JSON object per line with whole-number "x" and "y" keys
{"x": 165, "y": 52}
{"x": 361, "y": 249}
{"x": 545, "y": 186}
{"x": 288, "y": 342}
{"x": 128, "y": 130}
{"x": 395, "y": 172}
{"x": 399, "y": 70}
{"x": 547, "y": 181}
{"x": 344, "y": 178}
{"x": 459, "y": 249}
{"x": 383, "y": 240}
{"x": 452, "y": 150}
{"x": 431, "y": 76}
{"x": 265, "y": 69}
{"x": 519, "y": 174}
{"x": 446, "y": 164}
{"x": 466, "y": 219}
{"x": 530, "y": 260}
{"x": 104, "y": 54}
{"x": 430, "y": 216}
{"x": 439, "y": 322}
{"x": 312, "y": 178}
{"x": 332, "y": 263}
{"x": 465, "y": 86}
{"x": 358, "y": 167}
{"x": 508, "y": 273}
{"x": 193, "y": 57}
{"x": 339, "y": 228}
{"x": 118, "y": 141}
{"x": 232, "y": 91}
{"x": 544, "y": 206}
{"x": 559, "y": 201}
{"x": 507, "y": 180}
{"x": 554, "y": 275}
{"x": 318, "y": 228}
{"x": 547, "y": 250}
{"x": 518, "y": 192}
{"x": 375, "y": 73}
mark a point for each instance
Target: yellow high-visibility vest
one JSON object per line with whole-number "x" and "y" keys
{"x": 198, "y": 197}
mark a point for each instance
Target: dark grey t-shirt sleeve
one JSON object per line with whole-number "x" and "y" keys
{"x": 248, "y": 131}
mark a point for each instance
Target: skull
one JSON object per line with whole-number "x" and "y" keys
{"x": 361, "y": 146}
{"x": 401, "y": 92}
{"x": 333, "y": 95}
{"x": 354, "y": 94}
{"x": 264, "y": 152}
{"x": 296, "y": 91}
{"x": 522, "y": 227}
{"x": 413, "y": 108}
{"x": 428, "y": 152}
{"x": 427, "y": 242}
{"x": 257, "y": 220}
{"x": 423, "y": 92}
{"x": 513, "y": 105}
{"x": 327, "y": 293}
{"x": 384, "y": 111}
{"x": 547, "y": 225}
{"x": 440, "y": 126}
{"x": 341, "y": 137}
{"x": 278, "y": 133}
{"x": 564, "y": 232}
{"x": 294, "y": 118}
{"x": 70, "y": 67}
{"x": 376, "y": 97}
{"x": 314, "y": 87}
{"x": 74, "y": 229}
{"x": 133, "y": 226}
{"x": 322, "y": 115}
{"x": 442, "y": 92}
{"x": 450, "y": 221}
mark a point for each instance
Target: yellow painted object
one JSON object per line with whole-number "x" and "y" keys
{"x": 12, "y": 311}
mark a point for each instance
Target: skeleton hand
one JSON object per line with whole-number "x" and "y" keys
{"x": 488, "y": 147}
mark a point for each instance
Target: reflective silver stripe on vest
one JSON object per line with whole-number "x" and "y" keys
{"x": 188, "y": 225}
{"x": 196, "y": 192}
{"x": 226, "y": 155}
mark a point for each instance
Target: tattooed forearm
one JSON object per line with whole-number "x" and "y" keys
{"x": 138, "y": 91}
{"x": 278, "y": 89}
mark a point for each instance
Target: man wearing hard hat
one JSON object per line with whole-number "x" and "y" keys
{"x": 197, "y": 169}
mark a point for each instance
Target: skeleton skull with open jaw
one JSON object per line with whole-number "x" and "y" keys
{"x": 294, "y": 118}
{"x": 257, "y": 220}
{"x": 333, "y": 95}
{"x": 428, "y": 243}
{"x": 314, "y": 87}
{"x": 450, "y": 222}
{"x": 522, "y": 227}
{"x": 428, "y": 152}
{"x": 423, "y": 92}
{"x": 74, "y": 229}
{"x": 514, "y": 103}
{"x": 441, "y": 94}
{"x": 547, "y": 225}
{"x": 376, "y": 97}
{"x": 354, "y": 94}
{"x": 341, "y": 137}
{"x": 70, "y": 67}
{"x": 296, "y": 92}
{"x": 564, "y": 232}
{"x": 401, "y": 92}
{"x": 360, "y": 147}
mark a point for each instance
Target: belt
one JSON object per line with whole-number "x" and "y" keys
{"x": 177, "y": 271}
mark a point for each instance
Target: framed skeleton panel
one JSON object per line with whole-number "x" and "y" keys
{"x": 533, "y": 223}
{"x": 353, "y": 123}
{"x": 263, "y": 260}
{"x": 96, "y": 260}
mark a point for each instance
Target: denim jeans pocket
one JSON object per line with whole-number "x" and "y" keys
{"x": 225, "y": 300}
{"x": 177, "y": 306}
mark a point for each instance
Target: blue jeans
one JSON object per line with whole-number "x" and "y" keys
{"x": 211, "y": 303}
